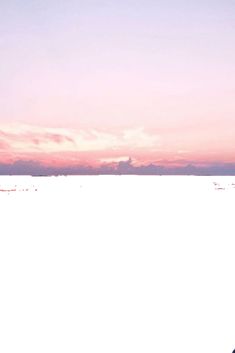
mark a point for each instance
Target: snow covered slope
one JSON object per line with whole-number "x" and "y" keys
{"x": 117, "y": 264}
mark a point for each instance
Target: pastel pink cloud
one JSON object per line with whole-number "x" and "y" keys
{"x": 93, "y": 146}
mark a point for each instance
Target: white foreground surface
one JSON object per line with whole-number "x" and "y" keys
{"x": 117, "y": 264}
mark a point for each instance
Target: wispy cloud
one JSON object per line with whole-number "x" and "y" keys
{"x": 102, "y": 150}
{"x": 4, "y": 145}
{"x": 27, "y": 141}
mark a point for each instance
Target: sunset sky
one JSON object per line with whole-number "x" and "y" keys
{"x": 88, "y": 83}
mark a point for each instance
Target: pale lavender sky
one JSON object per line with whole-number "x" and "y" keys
{"x": 163, "y": 66}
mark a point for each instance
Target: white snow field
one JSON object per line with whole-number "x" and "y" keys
{"x": 117, "y": 264}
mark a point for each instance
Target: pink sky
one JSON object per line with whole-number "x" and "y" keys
{"x": 98, "y": 82}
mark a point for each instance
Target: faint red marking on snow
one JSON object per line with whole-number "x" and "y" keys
{"x": 7, "y": 190}
{"x": 19, "y": 190}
